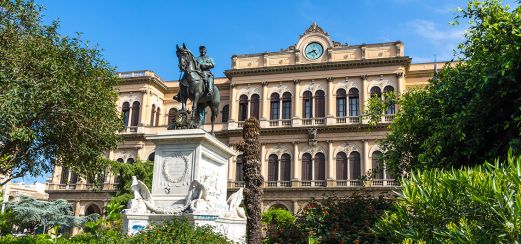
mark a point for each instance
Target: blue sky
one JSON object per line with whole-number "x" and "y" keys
{"x": 142, "y": 34}
{"x": 139, "y": 34}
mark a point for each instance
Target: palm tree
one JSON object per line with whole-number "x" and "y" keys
{"x": 250, "y": 148}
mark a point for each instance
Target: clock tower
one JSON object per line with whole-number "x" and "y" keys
{"x": 314, "y": 45}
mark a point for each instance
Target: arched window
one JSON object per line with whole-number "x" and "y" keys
{"x": 355, "y": 170}
{"x": 151, "y": 157}
{"x": 158, "y": 112}
{"x": 125, "y": 110}
{"x": 354, "y": 102}
{"x": 388, "y": 90}
{"x": 152, "y": 115}
{"x": 254, "y": 106}
{"x": 376, "y": 92}
{"x": 341, "y": 166}
{"x": 341, "y": 103}
{"x": 285, "y": 167}
{"x": 92, "y": 209}
{"x": 74, "y": 178}
{"x": 243, "y": 107}
{"x": 171, "y": 116}
{"x": 307, "y": 167}
{"x": 307, "y": 105}
{"x": 225, "y": 113}
{"x": 130, "y": 161}
{"x": 64, "y": 178}
{"x": 320, "y": 166}
{"x": 135, "y": 114}
{"x": 274, "y": 106}
{"x": 239, "y": 168}
{"x": 273, "y": 168}
{"x": 378, "y": 166}
{"x": 120, "y": 160}
{"x": 286, "y": 105}
{"x": 320, "y": 104}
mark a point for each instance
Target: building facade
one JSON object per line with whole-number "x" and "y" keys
{"x": 309, "y": 99}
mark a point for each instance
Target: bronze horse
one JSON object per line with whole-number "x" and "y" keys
{"x": 191, "y": 87}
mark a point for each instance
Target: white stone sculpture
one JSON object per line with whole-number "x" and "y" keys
{"x": 143, "y": 202}
{"x": 234, "y": 208}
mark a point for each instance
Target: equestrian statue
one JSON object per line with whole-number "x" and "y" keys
{"x": 197, "y": 84}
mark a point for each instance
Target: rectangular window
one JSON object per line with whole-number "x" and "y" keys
{"x": 275, "y": 111}
{"x": 286, "y": 110}
{"x": 341, "y": 107}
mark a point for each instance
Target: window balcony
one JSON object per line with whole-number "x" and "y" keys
{"x": 240, "y": 124}
{"x": 388, "y": 118}
{"x": 314, "y": 121}
{"x": 282, "y": 122}
{"x": 322, "y": 183}
{"x": 277, "y": 184}
{"x": 348, "y": 120}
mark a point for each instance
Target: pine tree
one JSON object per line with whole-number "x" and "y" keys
{"x": 250, "y": 147}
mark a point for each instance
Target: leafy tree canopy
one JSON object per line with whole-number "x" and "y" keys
{"x": 472, "y": 111}
{"x": 29, "y": 212}
{"x": 56, "y": 97}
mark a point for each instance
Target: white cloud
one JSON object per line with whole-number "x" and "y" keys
{"x": 444, "y": 40}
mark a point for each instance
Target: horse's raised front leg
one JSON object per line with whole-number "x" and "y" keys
{"x": 195, "y": 117}
{"x": 214, "y": 115}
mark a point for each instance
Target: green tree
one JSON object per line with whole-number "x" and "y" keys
{"x": 253, "y": 180}
{"x": 124, "y": 172}
{"x": 472, "y": 111}
{"x": 31, "y": 213}
{"x": 57, "y": 100}
{"x": 473, "y": 205}
{"x": 280, "y": 227}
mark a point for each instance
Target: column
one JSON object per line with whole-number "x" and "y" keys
{"x": 330, "y": 102}
{"x": 144, "y": 114}
{"x": 367, "y": 164}
{"x": 400, "y": 84}
{"x": 264, "y": 165}
{"x": 231, "y": 167}
{"x": 365, "y": 95}
{"x": 295, "y": 207}
{"x": 297, "y": 110}
{"x": 295, "y": 167}
{"x": 77, "y": 208}
{"x": 331, "y": 164}
{"x": 264, "y": 105}
{"x": 232, "y": 122}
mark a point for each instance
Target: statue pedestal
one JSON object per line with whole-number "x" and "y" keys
{"x": 189, "y": 180}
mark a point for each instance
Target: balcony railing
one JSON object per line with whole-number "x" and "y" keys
{"x": 274, "y": 122}
{"x": 129, "y": 129}
{"x": 275, "y": 184}
{"x": 286, "y": 122}
{"x": 350, "y": 120}
{"x": 240, "y": 124}
{"x": 314, "y": 121}
{"x": 388, "y": 117}
{"x": 283, "y": 122}
{"x": 322, "y": 183}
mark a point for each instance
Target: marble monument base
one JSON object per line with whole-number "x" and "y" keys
{"x": 189, "y": 180}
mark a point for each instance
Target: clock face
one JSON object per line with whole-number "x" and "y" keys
{"x": 314, "y": 50}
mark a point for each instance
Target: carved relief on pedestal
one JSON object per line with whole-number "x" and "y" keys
{"x": 176, "y": 170}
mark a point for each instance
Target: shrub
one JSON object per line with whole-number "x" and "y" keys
{"x": 178, "y": 231}
{"x": 472, "y": 205}
{"x": 344, "y": 220}
{"x": 280, "y": 227}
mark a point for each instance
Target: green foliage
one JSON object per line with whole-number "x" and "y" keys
{"x": 472, "y": 111}
{"x": 330, "y": 220}
{"x": 471, "y": 205}
{"x": 6, "y": 222}
{"x": 280, "y": 226}
{"x": 348, "y": 220}
{"x": 31, "y": 213}
{"x": 178, "y": 231}
{"x": 141, "y": 169}
{"x": 376, "y": 106}
{"x": 29, "y": 239}
{"x": 56, "y": 97}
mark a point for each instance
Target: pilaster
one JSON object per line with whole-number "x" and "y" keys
{"x": 297, "y": 103}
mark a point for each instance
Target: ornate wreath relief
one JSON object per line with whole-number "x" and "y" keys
{"x": 182, "y": 179}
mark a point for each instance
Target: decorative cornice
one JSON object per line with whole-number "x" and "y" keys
{"x": 314, "y": 28}
{"x": 352, "y": 64}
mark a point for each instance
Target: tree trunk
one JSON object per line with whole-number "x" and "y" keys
{"x": 250, "y": 147}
